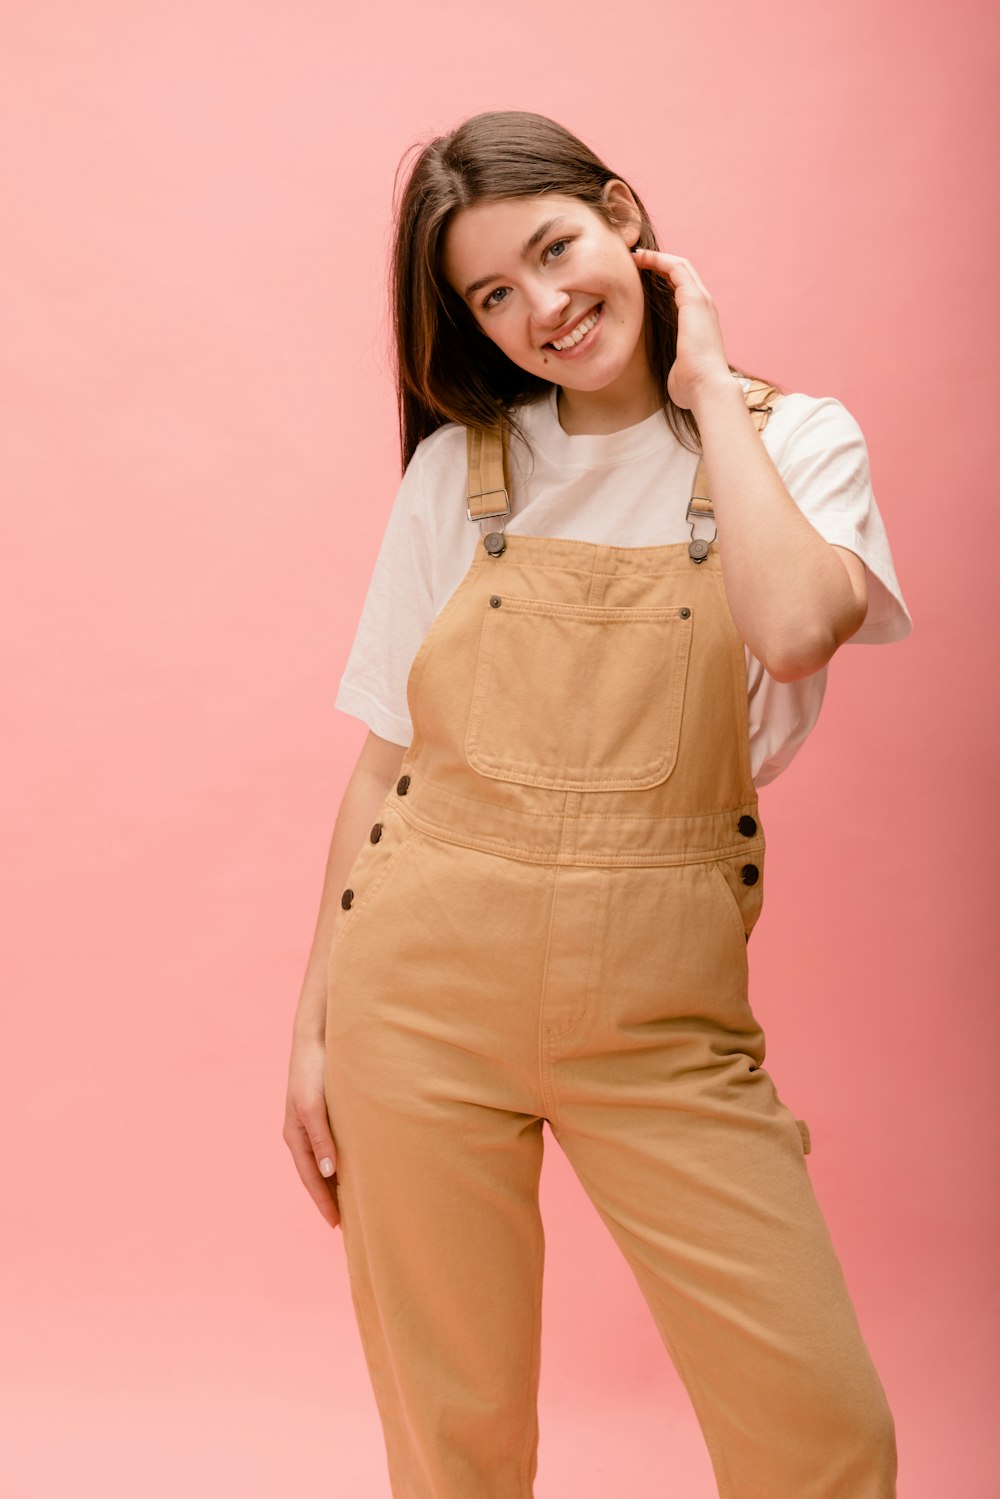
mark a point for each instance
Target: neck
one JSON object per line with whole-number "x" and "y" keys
{"x": 617, "y": 406}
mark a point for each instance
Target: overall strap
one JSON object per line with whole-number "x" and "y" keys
{"x": 488, "y": 456}
{"x": 756, "y": 398}
{"x": 489, "y": 472}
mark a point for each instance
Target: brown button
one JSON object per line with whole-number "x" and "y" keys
{"x": 376, "y": 832}
{"x": 749, "y": 874}
{"x": 747, "y": 826}
{"x": 346, "y": 898}
{"x": 402, "y": 784}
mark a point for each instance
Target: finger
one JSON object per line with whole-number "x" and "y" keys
{"x": 663, "y": 255}
{"x": 657, "y": 258}
{"x": 317, "y": 1127}
{"x": 660, "y": 265}
{"x": 322, "y": 1190}
{"x": 306, "y": 1114}
{"x": 321, "y": 1187}
{"x": 676, "y": 267}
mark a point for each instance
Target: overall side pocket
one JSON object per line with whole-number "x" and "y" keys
{"x": 740, "y": 878}
{"x": 379, "y": 856}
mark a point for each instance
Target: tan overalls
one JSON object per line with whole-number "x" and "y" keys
{"x": 550, "y": 922}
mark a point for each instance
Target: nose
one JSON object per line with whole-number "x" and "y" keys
{"x": 549, "y": 307}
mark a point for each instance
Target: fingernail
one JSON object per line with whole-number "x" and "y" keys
{"x": 326, "y": 1166}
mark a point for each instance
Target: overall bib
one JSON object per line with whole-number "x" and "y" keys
{"x": 549, "y": 921}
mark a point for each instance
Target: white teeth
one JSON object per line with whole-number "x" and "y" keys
{"x": 580, "y": 331}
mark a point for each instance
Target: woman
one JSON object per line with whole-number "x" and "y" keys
{"x": 574, "y": 685}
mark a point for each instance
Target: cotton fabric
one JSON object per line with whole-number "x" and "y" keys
{"x": 626, "y": 488}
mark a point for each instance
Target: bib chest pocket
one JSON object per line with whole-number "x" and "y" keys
{"x": 578, "y": 697}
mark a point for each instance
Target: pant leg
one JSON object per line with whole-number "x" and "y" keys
{"x": 660, "y": 1101}
{"x": 431, "y": 1081}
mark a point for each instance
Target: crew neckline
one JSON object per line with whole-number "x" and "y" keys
{"x": 595, "y": 449}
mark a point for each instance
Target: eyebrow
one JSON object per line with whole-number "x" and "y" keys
{"x": 526, "y": 250}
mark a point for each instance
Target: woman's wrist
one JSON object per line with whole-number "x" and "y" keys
{"x": 715, "y": 391}
{"x": 310, "y": 1014}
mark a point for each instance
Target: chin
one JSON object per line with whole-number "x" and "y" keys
{"x": 599, "y": 380}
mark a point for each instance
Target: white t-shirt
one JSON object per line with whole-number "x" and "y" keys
{"x": 627, "y": 488}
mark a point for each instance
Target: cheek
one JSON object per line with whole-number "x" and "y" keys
{"x": 494, "y": 331}
{"x": 622, "y": 285}
{"x": 633, "y": 305}
{"x": 508, "y": 336}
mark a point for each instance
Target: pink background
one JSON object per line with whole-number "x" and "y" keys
{"x": 198, "y": 457}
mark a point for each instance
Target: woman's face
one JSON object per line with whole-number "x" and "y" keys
{"x": 544, "y": 270}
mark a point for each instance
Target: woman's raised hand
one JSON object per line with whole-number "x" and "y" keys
{"x": 306, "y": 1130}
{"x": 701, "y": 353}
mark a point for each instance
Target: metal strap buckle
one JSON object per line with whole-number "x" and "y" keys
{"x": 488, "y": 514}
{"x": 708, "y": 514}
{"x": 698, "y": 549}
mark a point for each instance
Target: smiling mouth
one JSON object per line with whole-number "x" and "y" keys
{"x": 579, "y": 333}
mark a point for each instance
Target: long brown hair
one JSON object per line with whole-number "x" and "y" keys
{"x": 446, "y": 368}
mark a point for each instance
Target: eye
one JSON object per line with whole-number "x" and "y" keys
{"x": 488, "y": 301}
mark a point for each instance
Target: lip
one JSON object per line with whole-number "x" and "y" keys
{"x": 565, "y": 331}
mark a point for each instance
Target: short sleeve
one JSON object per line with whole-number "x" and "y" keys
{"x": 820, "y": 452}
{"x": 396, "y": 615}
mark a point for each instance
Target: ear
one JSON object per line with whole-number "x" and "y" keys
{"x": 624, "y": 209}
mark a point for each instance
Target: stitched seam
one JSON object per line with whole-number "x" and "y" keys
{"x": 736, "y": 914}
{"x": 531, "y": 855}
{"x": 600, "y": 613}
{"x": 732, "y": 904}
{"x": 531, "y": 1421}
{"x": 667, "y": 818}
{"x": 544, "y": 1035}
{"x": 682, "y": 569}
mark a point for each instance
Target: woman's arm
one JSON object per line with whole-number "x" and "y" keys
{"x": 794, "y": 597}
{"x": 306, "y": 1129}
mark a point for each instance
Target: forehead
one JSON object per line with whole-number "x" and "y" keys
{"x": 497, "y": 230}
